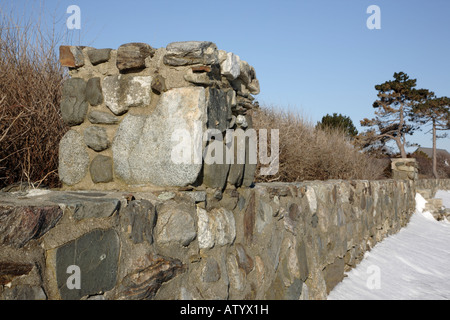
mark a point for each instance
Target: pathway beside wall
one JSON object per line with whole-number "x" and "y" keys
{"x": 418, "y": 264}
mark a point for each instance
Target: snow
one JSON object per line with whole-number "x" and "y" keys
{"x": 445, "y": 196}
{"x": 412, "y": 264}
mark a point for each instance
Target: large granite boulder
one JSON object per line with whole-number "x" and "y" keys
{"x": 144, "y": 146}
{"x": 73, "y": 158}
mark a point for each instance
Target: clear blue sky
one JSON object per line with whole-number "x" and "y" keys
{"x": 314, "y": 56}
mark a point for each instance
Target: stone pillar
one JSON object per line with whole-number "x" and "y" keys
{"x": 138, "y": 114}
{"x": 404, "y": 169}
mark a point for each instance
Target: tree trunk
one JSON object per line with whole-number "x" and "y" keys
{"x": 434, "y": 151}
{"x": 401, "y": 147}
{"x": 400, "y": 143}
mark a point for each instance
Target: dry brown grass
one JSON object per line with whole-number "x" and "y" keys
{"x": 307, "y": 153}
{"x": 30, "y": 121}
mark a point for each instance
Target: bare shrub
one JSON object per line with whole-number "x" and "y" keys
{"x": 30, "y": 89}
{"x": 443, "y": 166}
{"x": 425, "y": 164}
{"x": 307, "y": 153}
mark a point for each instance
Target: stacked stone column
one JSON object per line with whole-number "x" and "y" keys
{"x": 404, "y": 169}
{"x": 129, "y": 109}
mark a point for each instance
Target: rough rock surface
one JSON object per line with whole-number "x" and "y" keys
{"x": 21, "y": 224}
{"x": 143, "y": 146}
{"x": 96, "y": 138}
{"x": 124, "y": 91}
{"x": 73, "y": 158}
{"x": 99, "y": 117}
{"x": 96, "y": 255}
{"x": 131, "y": 56}
{"x": 191, "y": 52}
{"x": 101, "y": 169}
{"x": 73, "y": 103}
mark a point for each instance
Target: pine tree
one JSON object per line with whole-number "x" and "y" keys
{"x": 396, "y": 99}
{"x": 339, "y": 122}
{"x": 437, "y": 112}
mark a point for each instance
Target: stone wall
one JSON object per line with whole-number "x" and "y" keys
{"x": 130, "y": 109}
{"x": 273, "y": 241}
{"x": 433, "y": 185}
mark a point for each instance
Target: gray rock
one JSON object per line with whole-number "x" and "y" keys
{"x": 99, "y": 117}
{"x": 101, "y": 169}
{"x": 197, "y": 196}
{"x": 96, "y": 138}
{"x": 236, "y": 158}
{"x": 264, "y": 215}
{"x": 191, "y": 52}
{"x": 73, "y": 102}
{"x": 135, "y": 90}
{"x": 24, "y": 292}
{"x": 241, "y": 121}
{"x": 73, "y": 158}
{"x": 215, "y": 174}
{"x": 175, "y": 224}
{"x": 249, "y": 172}
{"x": 199, "y": 79}
{"x": 247, "y": 73}
{"x": 94, "y": 92}
{"x": 93, "y": 207}
{"x": 216, "y": 227}
{"x": 131, "y": 56}
{"x": 303, "y": 260}
{"x": 295, "y": 290}
{"x": 229, "y": 199}
{"x": 96, "y": 254}
{"x": 140, "y": 218}
{"x": 211, "y": 271}
{"x": 145, "y": 147}
{"x": 245, "y": 262}
{"x": 215, "y": 169}
{"x": 231, "y": 66}
{"x": 166, "y": 196}
{"x": 334, "y": 273}
{"x": 236, "y": 173}
{"x": 124, "y": 91}
{"x": 219, "y": 110}
{"x": 111, "y": 91}
{"x": 250, "y": 153}
{"x": 222, "y": 54}
{"x": 124, "y": 142}
{"x": 159, "y": 84}
{"x": 253, "y": 87}
{"x": 97, "y": 56}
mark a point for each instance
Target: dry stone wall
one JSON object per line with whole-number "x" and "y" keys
{"x": 124, "y": 107}
{"x": 272, "y": 241}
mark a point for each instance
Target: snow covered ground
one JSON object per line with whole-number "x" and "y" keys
{"x": 412, "y": 264}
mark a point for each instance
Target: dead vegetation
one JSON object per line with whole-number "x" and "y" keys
{"x": 30, "y": 121}
{"x": 307, "y": 153}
